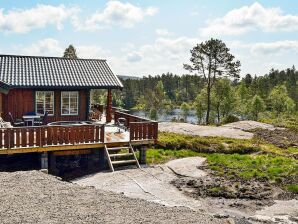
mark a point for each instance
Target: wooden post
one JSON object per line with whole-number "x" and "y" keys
{"x": 109, "y": 106}
{"x": 1, "y": 104}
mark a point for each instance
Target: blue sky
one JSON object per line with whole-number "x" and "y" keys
{"x": 151, "y": 37}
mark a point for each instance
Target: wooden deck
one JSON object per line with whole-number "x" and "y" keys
{"x": 139, "y": 131}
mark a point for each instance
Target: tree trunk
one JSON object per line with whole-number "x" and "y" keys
{"x": 218, "y": 113}
{"x": 208, "y": 103}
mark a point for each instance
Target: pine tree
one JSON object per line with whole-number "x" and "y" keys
{"x": 212, "y": 59}
{"x": 70, "y": 52}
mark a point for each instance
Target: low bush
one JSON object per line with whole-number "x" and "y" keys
{"x": 207, "y": 144}
{"x": 230, "y": 119}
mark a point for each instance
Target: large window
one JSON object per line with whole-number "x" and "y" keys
{"x": 44, "y": 101}
{"x": 70, "y": 103}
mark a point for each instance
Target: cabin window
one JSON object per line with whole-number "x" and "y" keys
{"x": 70, "y": 103}
{"x": 44, "y": 101}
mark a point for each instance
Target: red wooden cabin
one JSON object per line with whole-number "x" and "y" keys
{"x": 59, "y": 86}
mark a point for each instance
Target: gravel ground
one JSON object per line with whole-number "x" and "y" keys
{"x": 35, "y": 197}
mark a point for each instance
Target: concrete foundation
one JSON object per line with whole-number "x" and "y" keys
{"x": 142, "y": 155}
{"x": 44, "y": 163}
{"x": 52, "y": 164}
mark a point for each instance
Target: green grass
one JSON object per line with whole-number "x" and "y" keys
{"x": 284, "y": 120}
{"x": 242, "y": 158}
{"x": 220, "y": 145}
{"x": 273, "y": 168}
{"x": 293, "y": 188}
{"x": 157, "y": 156}
{"x": 276, "y": 169}
{"x": 208, "y": 144}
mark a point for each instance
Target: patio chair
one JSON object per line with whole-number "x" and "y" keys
{"x": 121, "y": 124}
{"x": 42, "y": 121}
{"x": 17, "y": 122}
{"x": 4, "y": 124}
{"x": 95, "y": 116}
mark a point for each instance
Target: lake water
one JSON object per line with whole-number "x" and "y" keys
{"x": 176, "y": 113}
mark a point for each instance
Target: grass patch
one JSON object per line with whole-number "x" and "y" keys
{"x": 274, "y": 168}
{"x": 246, "y": 159}
{"x": 293, "y": 188}
{"x": 207, "y": 144}
{"x": 284, "y": 120}
{"x": 279, "y": 170}
{"x": 220, "y": 145}
{"x": 158, "y": 156}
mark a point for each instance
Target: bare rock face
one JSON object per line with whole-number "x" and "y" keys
{"x": 187, "y": 167}
{"x": 238, "y": 130}
{"x": 250, "y": 125}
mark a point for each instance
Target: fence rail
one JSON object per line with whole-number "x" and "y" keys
{"x": 44, "y": 136}
{"x": 140, "y": 128}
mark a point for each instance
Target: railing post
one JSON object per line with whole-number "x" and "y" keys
{"x": 102, "y": 134}
{"x": 109, "y": 106}
{"x": 155, "y": 132}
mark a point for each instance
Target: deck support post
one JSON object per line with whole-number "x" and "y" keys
{"x": 109, "y": 106}
{"x": 101, "y": 159}
{"x": 142, "y": 155}
{"x": 44, "y": 164}
{"x": 52, "y": 164}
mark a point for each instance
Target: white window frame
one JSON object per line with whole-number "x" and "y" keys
{"x": 44, "y": 102}
{"x": 61, "y": 106}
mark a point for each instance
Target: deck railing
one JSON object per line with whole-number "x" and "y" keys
{"x": 45, "y": 136}
{"x": 140, "y": 128}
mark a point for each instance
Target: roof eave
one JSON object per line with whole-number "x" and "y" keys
{"x": 65, "y": 87}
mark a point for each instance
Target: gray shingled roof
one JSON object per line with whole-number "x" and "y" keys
{"x": 53, "y": 72}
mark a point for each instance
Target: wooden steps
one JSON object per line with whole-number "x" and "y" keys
{"x": 120, "y": 155}
{"x": 117, "y": 156}
{"x": 123, "y": 162}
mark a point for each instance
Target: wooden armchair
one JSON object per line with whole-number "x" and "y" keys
{"x": 17, "y": 122}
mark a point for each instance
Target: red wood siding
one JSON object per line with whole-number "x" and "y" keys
{"x": 22, "y": 101}
{"x": 1, "y": 104}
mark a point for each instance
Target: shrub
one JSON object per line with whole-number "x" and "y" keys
{"x": 207, "y": 144}
{"x": 230, "y": 119}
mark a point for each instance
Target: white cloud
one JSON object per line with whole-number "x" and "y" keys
{"x": 115, "y": 13}
{"x": 162, "y": 32}
{"x": 45, "y": 47}
{"x": 52, "y": 47}
{"x": 22, "y": 21}
{"x": 167, "y": 54}
{"x": 161, "y": 56}
{"x": 92, "y": 51}
{"x": 248, "y": 18}
{"x": 274, "y": 48}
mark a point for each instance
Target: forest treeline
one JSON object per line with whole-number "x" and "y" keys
{"x": 272, "y": 94}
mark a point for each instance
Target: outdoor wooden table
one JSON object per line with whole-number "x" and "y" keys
{"x": 30, "y": 118}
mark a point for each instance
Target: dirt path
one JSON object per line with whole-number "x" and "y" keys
{"x": 35, "y": 197}
{"x": 237, "y": 130}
